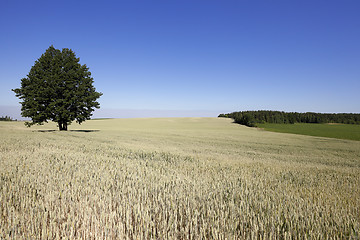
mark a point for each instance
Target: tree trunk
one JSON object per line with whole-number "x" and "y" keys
{"x": 62, "y": 126}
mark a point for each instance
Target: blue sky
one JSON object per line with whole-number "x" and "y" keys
{"x": 193, "y": 58}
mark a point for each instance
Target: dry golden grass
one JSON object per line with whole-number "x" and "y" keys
{"x": 190, "y": 178}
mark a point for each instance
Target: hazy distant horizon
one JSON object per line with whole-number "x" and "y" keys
{"x": 15, "y": 113}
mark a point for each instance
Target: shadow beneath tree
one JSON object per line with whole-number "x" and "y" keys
{"x": 44, "y": 130}
{"x": 85, "y": 131}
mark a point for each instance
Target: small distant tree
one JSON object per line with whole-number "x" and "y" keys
{"x": 58, "y": 88}
{"x": 6, "y": 118}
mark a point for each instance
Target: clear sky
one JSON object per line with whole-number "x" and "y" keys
{"x": 193, "y": 58}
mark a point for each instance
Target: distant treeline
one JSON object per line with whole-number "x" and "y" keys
{"x": 7, "y": 118}
{"x": 251, "y": 118}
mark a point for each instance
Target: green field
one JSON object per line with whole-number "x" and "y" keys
{"x": 175, "y": 178}
{"x": 341, "y": 131}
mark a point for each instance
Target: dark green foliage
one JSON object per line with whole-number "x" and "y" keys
{"x": 58, "y": 88}
{"x": 7, "y": 118}
{"x": 251, "y": 118}
{"x": 224, "y": 115}
{"x": 246, "y": 119}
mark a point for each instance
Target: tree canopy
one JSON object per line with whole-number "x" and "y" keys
{"x": 58, "y": 88}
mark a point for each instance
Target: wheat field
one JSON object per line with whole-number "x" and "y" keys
{"x": 175, "y": 178}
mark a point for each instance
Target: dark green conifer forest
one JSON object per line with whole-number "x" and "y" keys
{"x": 251, "y": 118}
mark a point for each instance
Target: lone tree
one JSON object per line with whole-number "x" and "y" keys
{"x": 58, "y": 88}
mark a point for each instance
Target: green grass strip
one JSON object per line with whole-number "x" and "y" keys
{"x": 340, "y": 131}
